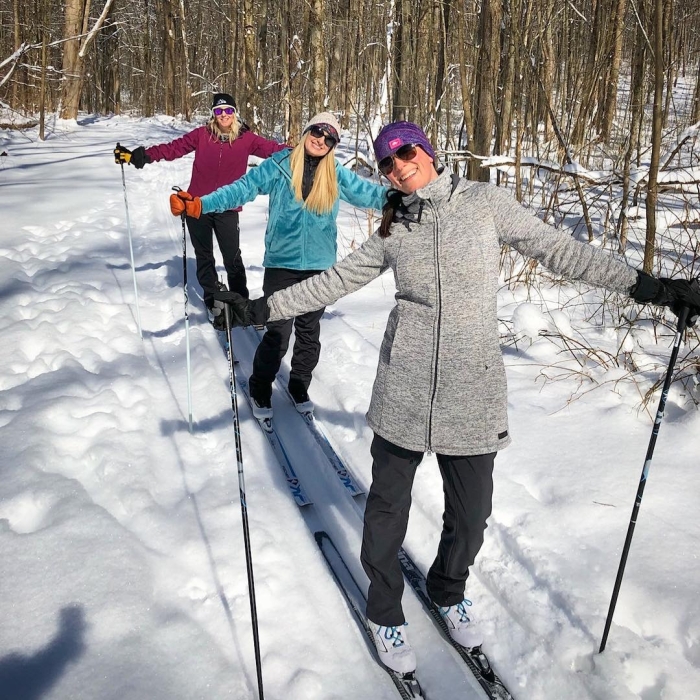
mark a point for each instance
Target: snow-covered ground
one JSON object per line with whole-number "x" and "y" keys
{"x": 123, "y": 571}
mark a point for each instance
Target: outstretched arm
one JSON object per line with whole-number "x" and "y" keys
{"x": 256, "y": 181}
{"x": 358, "y": 191}
{"x": 174, "y": 149}
{"x": 561, "y": 253}
{"x": 346, "y": 276}
{"x": 350, "y": 274}
{"x": 556, "y": 249}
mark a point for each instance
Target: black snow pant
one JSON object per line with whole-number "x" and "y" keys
{"x": 468, "y": 488}
{"x": 225, "y": 227}
{"x": 274, "y": 344}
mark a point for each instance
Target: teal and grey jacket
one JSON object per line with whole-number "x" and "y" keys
{"x": 441, "y": 382}
{"x": 295, "y": 238}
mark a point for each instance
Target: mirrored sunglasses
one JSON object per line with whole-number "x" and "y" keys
{"x": 218, "y": 111}
{"x": 405, "y": 153}
{"x": 317, "y": 132}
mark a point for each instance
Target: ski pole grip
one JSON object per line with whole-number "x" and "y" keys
{"x": 683, "y": 319}
{"x": 175, "y": 188}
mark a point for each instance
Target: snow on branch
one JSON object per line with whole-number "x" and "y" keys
{"x": 96, "y": 28}
{"x": 667, "y": 176}
{"x": 14, "y": 61}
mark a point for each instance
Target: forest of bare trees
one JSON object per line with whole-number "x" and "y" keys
{"x": 600, "y": 83}
{"x": 480, "y": 74}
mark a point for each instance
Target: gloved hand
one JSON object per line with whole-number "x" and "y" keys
{"x": 121, "y": 154}
{"x": 139, "y": 157}
{"x": 244, "y": 312}
{"x": 673, "y": 293}
{"x": 184, "y": 203}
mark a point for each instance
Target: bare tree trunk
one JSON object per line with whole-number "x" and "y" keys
{"x": 77, "y": 15}
{"x": 696, "y": 97}
{"x": 503, "y": 128}
{"x": 334, "y": 71}
{"x": 638, "y": 69}
{"x": 169, "y": 56}
{"x": 185, "y": 80}
{"x": 610, "y": 101}
{"x": 440, "y": 87}
{"x": 398, "y": 112}
{"x": 294, "y": 57}
{"x": 486, "y": 84}
{"x": 250, "y": 52}
{"x": 148, "y": 101}
{"x": 318, "y": 57}
{"x": 285, "y": 53}
{"x": 657, "y": 123}
{"x": 591, "y": 73}
{"x": 72, "y": 73}
{"x": 42, "y": 94}
{"x": 14, "y": 97}
{"x": 547, "y": 68}
{"x": 465, "y": 84}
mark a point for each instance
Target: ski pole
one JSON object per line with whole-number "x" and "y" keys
{"x": 682, "y": 321}
{"x": 131, "y": 249}
{"x": 187, "y": 316}
{"x": 244, "y": 506}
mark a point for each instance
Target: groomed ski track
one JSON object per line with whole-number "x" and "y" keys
{"x": 334, "y": 511}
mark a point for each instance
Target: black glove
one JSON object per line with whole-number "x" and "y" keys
{"x": 674, "y": 293}
{"x": 244, "y": 312}
{"x": 121, "y": 154}
{"x": 139, "y": 157}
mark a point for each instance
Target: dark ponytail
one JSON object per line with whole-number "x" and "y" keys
{"x": 394, "y": 200}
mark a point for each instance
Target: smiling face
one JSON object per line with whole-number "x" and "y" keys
{"x": 224, "y": 121}
{"x": 315, "y": 145}
{"x": 410, "y": 175}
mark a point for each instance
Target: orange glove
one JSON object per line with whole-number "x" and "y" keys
{"x": 184, "y": 203}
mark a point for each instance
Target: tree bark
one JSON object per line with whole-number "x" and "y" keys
{"x": 318, "y": 58}
{"x": 76, "y": 18}
{"x": 657, "y": 123}
{"x": 486, "y": 84}
{"x": 610, "y": 102}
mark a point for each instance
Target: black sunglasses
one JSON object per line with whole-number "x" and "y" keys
{"x": 405, "y": 153}
{"x": 317, "y": 132}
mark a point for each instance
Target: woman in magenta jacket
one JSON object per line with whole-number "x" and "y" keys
{"x": 221, "y": 150}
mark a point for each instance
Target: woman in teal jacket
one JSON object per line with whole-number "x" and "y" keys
{"x": 305, "y": 188}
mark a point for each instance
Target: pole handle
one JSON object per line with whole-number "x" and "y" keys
{"x": 175, "y": 188}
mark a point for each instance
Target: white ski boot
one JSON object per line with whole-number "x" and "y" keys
{"x": 393, "y": 647}
{"x": 460, "y": 624}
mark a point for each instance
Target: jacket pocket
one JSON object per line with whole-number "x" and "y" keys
{"x": 388, "y": 340}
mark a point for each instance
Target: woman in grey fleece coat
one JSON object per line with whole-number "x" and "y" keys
{"x": 441, "y": 384}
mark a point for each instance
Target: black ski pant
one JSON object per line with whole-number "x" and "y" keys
{"x": 468, "y": 488}
{"x": 274, "y": 344}
{"x": 225, "y": 227}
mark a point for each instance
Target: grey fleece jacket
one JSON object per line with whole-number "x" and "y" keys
{"x": 441, "y": 382}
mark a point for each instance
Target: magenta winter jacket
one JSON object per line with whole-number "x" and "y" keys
{"x": 216, "y": 163}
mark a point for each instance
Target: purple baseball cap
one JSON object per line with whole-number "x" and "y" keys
{"x": 398, "y": 134}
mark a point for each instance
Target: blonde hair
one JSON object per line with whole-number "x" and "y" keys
{"x": 233, "y": 132}
{"x": 324, "y": 191}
